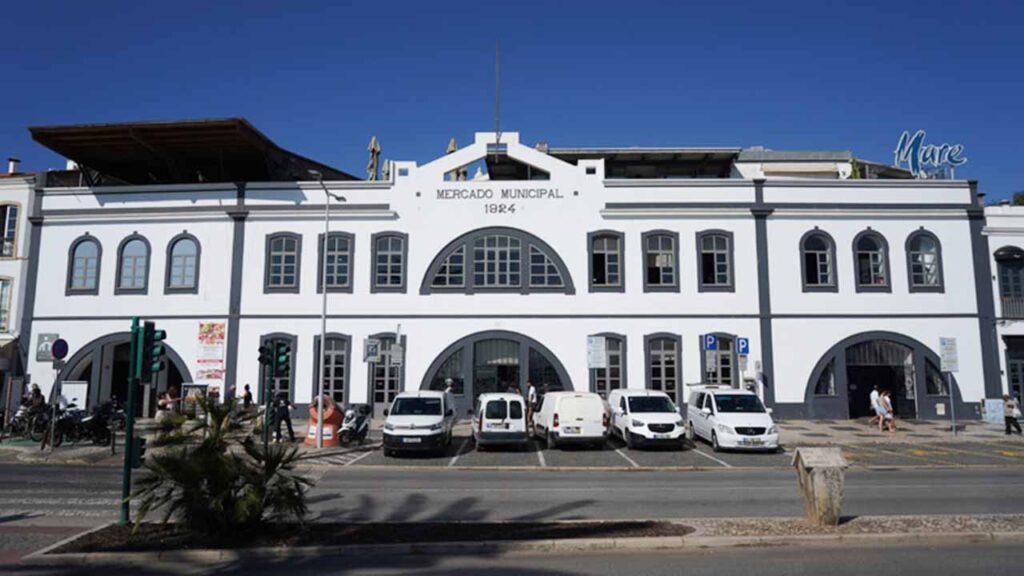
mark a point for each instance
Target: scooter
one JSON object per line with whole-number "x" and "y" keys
{"x": 355, "y": 426}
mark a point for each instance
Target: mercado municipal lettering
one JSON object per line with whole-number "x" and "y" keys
{"x": 839, "y": 273}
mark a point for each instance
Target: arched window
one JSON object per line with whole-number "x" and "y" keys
{"x": 661, "y": 261}
{"x": 818, "y": 262}
{"x": 871, "y": 262}
{"x": 132, "y": 265}
{"x": 283, "y": 262}
{"x": 612, "y": 375}
{"x": 497, "y": 260}
{"x": 1010, "y": 269}
{"x": 924, "y": 262}
{"x": 182, "y": 265}
{"x": 389, "y": 251}
{"x": 714, "y": 251}
{"x": 84, "y": 266}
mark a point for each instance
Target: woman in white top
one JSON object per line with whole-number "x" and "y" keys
{"x": 888, "y": 415}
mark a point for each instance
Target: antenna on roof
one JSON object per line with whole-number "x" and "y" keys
{"x": 497, "y": 97}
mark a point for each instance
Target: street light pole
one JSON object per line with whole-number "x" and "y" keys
{"x": 323, "y": 308}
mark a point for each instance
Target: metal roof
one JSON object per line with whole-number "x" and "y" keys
{"x": 656, "y": 162}
{"x": 178, "y": 152}
{"x": 763, "y": 155}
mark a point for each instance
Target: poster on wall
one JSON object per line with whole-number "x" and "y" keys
{"x": 210, "y": 354}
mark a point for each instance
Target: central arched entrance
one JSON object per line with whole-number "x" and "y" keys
{"x": 103, "y": 363}
{"x": 495, "y": 361}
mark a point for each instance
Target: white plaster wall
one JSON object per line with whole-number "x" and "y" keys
{"x": 17, "y": 191}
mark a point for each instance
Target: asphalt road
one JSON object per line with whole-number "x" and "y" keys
{"x": 991, "y": 560}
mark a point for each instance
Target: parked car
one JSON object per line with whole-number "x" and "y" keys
{"x": 419, "y": 421}
{"x": 500, "y": 419}
{"x": 571, "y": 418}
{"x": 645, "y": 418}
{"x": 730, "y": 418}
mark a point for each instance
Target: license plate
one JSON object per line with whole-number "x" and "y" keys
{"x": 662, "y": 436}
{"x": 570, "y": 430}
{"x": 411, "y": 440}
{"x": 492, "y": 426}
{"x": 751, "y": 441}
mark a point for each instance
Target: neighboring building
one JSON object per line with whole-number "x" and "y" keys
{"x": 1004, "y": 229}
{"x": 16, "y": 199}
{"x": 628, "y": 256}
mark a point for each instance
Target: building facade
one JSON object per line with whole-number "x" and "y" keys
{"x": 582, "y": 268}
{"x": 16, "y": 202}
{"x": 1004, "y": 230}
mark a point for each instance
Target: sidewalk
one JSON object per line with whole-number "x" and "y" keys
{"x": 847, "y": 432}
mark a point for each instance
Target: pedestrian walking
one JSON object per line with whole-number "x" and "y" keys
{"x": 247, "y": 399}
{"x": 282, "y": 414}
{"x": 531, "y": 401}
{"x": 888, "y": 416}
{"x": 1011, "y": 412}
{"x": 876, "y": 406}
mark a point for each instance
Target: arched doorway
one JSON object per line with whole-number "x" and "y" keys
{"x": 103, "y": 363}
{"x": 840, "y": 384}
{"x": 495, "y": 361}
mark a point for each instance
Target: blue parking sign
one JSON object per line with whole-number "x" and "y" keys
{"x": 743, "y": 346}
{"x": 710, "y": 342}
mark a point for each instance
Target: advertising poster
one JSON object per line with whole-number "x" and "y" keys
{"x": 210, "y": 354}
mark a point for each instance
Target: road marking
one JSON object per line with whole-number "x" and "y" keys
{"x": 358, "y": 458}
{"x": 458, "y": 452}
{"x": 875, "y": 448}
{"x": 980, "y": 453}
{"x": 628, "y": 459}
{"x": 540, "y": 455}
{"x": 710, "y": 457}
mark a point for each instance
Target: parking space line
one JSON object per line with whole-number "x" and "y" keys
{"x": 628, "y": 459}
{"x": 710, "y": 457}
{"x": 459, "y": 452}
{"x": 358, "y": 458}
{"x": 540, "y": 455}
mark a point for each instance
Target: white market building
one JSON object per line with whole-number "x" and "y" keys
{"x": 836, "y": 281}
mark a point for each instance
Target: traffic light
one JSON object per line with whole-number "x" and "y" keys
{"x": 152, "y": 350}
{"x": 265, "y": 356}
{"x": 138, "y": 452}
{"x": 282, "y": 366}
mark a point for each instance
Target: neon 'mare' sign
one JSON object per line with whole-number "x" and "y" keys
{"x": 915, "y": 154}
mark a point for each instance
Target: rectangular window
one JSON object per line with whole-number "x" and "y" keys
{"x": 663, "y": 365}
{"x": 715, "y": 261}
{"x": 612, "y": 377}
{"x": 9, "y": 231}
{"x": 5, "y": 304}
{"x": 389, "y": 262}
{"x": 871, "y": 266}
{"x": 283, "y": 257}
{"x": 496, "y": 262}
{"x": 818, "y": 268}
{"x": 335, "y": 358}
{"x": 452, "y": 272}
{"x": 924, "y": 268}
{"x": 606, "y": 261}
{"x": 721, "y": 372}
{"x": 660, "y": 260}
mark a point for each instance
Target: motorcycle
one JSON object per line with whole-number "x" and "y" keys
{"x": 355, "y": 425}
{"x": 75, "y": 426}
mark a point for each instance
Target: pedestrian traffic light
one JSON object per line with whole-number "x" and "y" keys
{"x": 138, "y": 452}
{"x": 152, "y": 350}
{"x": 282, "y": 366}
{"x": 265, "y": 356}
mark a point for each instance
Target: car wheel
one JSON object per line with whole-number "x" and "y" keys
{"x": 550, "y": 440}
{"x": 691, "y": 434}
{"x": 714, "y": 443}
{"x": 629, "y": 440}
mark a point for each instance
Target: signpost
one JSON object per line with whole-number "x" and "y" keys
{"x": 710, "y": 352}
{"x": 371, "y": 350}
{"x": 44, "y": 347}
{"x": 950, "y": 363}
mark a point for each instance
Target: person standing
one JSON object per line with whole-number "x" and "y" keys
{"x": 282, "y": 413}
{"x": 531, "y": 401}
{"x": 247, "y": 399}
{"x": 888, "y": 416}
{"x": 876, "y": 397}
{"x": 1011, "y": 412}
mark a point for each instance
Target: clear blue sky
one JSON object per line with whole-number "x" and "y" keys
{"x": 321, "y": 77}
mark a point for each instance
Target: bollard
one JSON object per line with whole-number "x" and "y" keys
{"x": 820, "y": 472}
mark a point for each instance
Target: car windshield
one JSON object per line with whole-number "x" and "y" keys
{"x": 650, "y": 404}
{"x": 417, "y": 407}
{"x": 739, "y": 403}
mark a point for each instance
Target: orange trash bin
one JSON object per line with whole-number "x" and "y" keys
{"x": 333, "y": 417}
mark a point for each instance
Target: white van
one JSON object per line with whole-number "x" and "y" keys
{"x": 571, "y": 417}
{"x": 645, "y": 417}
{"x": 500, "y": 419}
{"x": 730, "y": 418}
{"x": 420, "y": 420}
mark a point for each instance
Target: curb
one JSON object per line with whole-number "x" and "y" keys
{"x": 889, "y": 539}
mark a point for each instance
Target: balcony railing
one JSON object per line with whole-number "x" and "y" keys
{"x": 1013, "y": 307}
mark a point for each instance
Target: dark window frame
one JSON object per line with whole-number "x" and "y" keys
{"x": 621, "y": 237}
{"x": 68, "y": 286}
{"x": 678, "y": 340}
{"x": 293, "y": 343}
{"x": 4, "y": 220}
{"x": 267, "y": 288}
{"x": 882, "y": 288}
{"x": 939, "y": 288}
{"x": 624, "y": 374}
{"x": 376, "y": 288}
{"x": 730, "y": 286}
{"x": 168, "y": 288}
{"x": 674, "y": 286}
{"x": 118, "y": 289}
{"x": 317, "y": 370}
{"x": 346, "y": 289}
{"x": 831, "y": 243}
{"x": 467, "y": 241}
